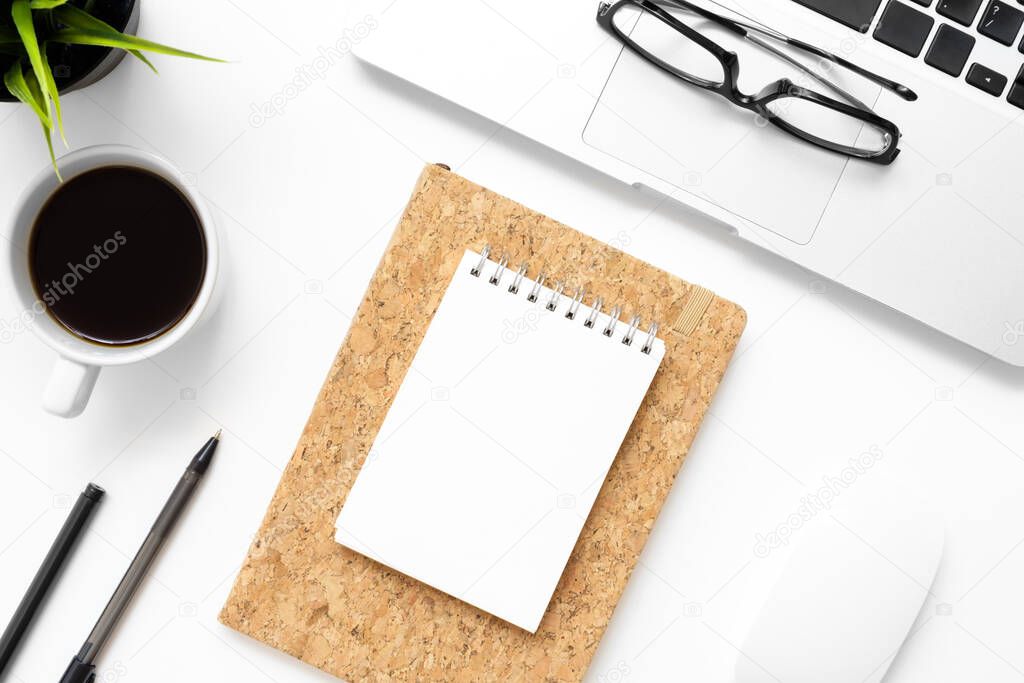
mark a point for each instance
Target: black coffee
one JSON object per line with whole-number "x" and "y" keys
{"x": 117, "y": 255}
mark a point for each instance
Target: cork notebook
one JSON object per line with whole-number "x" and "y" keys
{"x": 305, "y": 594}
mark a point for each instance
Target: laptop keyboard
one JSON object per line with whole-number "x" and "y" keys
{"x": 857, "y": 14}
{"x": 904, "y": 27}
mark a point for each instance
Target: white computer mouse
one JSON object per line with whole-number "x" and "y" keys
{"x": 858, "y": 575}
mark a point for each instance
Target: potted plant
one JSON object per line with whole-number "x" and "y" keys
{"x": 49, "y": 47}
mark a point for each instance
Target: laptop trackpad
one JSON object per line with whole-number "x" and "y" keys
{"x": 699, "y": 142}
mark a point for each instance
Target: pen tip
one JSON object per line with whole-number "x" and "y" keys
{"x": 202, "y": 459}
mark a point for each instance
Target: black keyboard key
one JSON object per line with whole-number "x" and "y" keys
{"x": 1001, "y": 22}
{"x": 1016, "y": 96}
{"x": 857, "y": 14}
{"x": 986, "y": 79}
{"x": 961, "y": 11}
{"x": 904, "y": 28}
{"x": 950, "y": 50}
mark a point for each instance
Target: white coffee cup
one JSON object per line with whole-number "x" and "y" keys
{"x": 78, "y": 366}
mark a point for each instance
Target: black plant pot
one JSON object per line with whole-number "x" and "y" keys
{"x": 76, "y": 66}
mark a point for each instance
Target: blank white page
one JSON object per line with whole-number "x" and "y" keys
{"x": 497, "y": 443}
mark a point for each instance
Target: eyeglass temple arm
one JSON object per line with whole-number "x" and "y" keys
{"x": 739, "y": 26}
{"x": 810, "y": 72}
{"x": 898, "y": 88}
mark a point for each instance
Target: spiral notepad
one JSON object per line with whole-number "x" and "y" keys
{"x": 500, "y": 437}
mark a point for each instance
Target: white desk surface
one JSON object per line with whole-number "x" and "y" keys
{"x": 306, "y": 200}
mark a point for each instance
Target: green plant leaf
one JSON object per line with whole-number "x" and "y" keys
{"x": 71, "y": 16}
{"x": 26, "y": 88}
{"x": 38, "y": 92}
{"x": 22, "y": 15}
{"x": 51, "y": 86}
{"x": 142, "y": 58}
{"x": 53, "y": 157}
{"x": 18, "y": 85}
{"x": 45, "y": 4}
{"x": 120, "y": 40}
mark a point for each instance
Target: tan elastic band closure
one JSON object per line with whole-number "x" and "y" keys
{"x": 695, "y": 308}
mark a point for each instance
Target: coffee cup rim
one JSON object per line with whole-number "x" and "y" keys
{"x": 21, "y": 223}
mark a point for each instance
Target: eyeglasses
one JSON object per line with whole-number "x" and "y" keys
{"x": 846, "y": 126}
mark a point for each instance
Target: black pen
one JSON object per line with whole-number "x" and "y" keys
{"x": 82, "y": 667}
{"x": 48, "y": 571}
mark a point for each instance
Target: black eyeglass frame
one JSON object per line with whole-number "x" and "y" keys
{"x": 781, "y": 89}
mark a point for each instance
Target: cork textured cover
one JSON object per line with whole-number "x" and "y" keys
{"x": 306, "y": 595}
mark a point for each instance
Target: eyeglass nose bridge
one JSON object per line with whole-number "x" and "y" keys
{"x": 758, "y": 102}
{"x": 773, "y": 91}
{"x": 777, "y": 89}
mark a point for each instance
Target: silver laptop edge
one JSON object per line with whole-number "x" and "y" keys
{"x": 939, "y": 235}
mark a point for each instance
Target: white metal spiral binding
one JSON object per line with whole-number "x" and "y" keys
{"x": 634, "y": 323}
{"x": 537, "y": 286}
{"x": 613, "y": 320}
{"x": 594, "y": 312}
{"x": 475, "y": 272}
{"x": 502, "y": 264}
{"x": 520, "y": 274}
{"x": 574, "y": 303}
{"x": 574, "y": 307}
{"x": 556, "y": 296}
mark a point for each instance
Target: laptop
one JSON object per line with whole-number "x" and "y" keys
{"x": 938, "y": 234}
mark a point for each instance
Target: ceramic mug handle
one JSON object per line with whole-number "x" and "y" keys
{"x": 69, "y": 387}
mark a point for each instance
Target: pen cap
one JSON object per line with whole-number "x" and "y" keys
{"x": 93, "y": 492}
